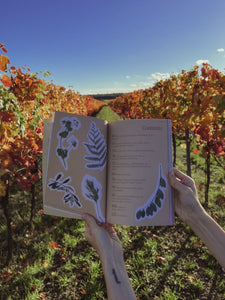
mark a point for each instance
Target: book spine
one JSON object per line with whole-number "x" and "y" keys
{"x": 107, "y": 170}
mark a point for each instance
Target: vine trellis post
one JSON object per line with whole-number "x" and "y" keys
{"x": 207, "y": 173}
{"x": 4, "y": 200}
{"x": 188, "y": 151}
{"x": 174, "y": 149}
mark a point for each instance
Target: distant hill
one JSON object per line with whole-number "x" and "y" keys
{"x": 106, "y": 96}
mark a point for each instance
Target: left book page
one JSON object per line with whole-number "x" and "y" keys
{"x": 74, "y": 166}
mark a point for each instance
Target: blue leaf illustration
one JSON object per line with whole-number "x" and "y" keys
{"x": 68, "y": 125}
{"x": 96, "y": 148}
{"x": 156, "y": 200}
{"x": 92, "y": 191}
{"x": 58, "y": 185}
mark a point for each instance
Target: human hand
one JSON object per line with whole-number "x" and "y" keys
{"x": 187, "y": 204}
{"x": 102, "y": 237}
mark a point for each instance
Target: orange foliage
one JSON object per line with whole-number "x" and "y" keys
{"x": 6, "y": 81}
{"x": 129, "y": 105}
{"x": 93, "y": 105}
{"x": 4, "y": 61}
{"x": 53, "y": 245}
{"x": 58, "y": 98}
{"x": 193, "y": 100}
{"x": 25, "y": 86}
{"x": 19, "y": 159}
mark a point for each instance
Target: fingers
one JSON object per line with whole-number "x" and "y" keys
{"x": 178, "y": 180}
{"x": 182, "y": 177}
{"x": 174, "y": 182}
{"x": 186, "y": 180}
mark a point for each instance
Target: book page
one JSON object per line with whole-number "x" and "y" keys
{"x": 139, "y": 160}
{"x": 76, "y": 167}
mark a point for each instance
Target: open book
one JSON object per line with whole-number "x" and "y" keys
{"x": 115, "y": 171}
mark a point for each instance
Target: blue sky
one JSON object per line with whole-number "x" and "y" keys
{"x": 100, "y": 46}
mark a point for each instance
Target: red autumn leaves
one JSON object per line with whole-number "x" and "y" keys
{"x": 4, "y": 62}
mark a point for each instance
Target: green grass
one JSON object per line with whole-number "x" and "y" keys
{"x": 162, "y": 262}
{"x": 107, "y": 114}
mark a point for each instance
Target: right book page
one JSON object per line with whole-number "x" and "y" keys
{"x": 139, "y": 159}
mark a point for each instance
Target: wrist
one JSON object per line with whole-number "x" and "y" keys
{"x": 114, "y": 255}
{"x": 197, "y": 215}
{"x": 111, "y": 251}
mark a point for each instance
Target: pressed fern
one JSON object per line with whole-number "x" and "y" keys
{"x": 96, "y": 148}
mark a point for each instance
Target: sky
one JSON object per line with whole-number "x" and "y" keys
{"x": 110, "y": 46}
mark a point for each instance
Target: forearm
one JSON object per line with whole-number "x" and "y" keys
{"x": 210, "y": 233}
{"x": 116, "y": 278}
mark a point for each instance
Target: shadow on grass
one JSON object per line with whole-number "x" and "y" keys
{"x": 162, "y": 278}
